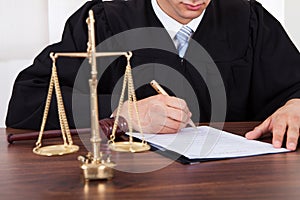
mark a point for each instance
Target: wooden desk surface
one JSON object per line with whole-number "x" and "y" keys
{"x": 25, "y": 175}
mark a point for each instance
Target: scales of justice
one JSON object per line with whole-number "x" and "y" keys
{"x": 94, "y": 165}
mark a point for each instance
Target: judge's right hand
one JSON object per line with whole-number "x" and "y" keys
{"x": 159, "y": 114}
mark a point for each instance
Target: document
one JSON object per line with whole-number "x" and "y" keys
{"x": 206, "y": 143}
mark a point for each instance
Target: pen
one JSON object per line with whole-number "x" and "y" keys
{"x": 160, "y": 90}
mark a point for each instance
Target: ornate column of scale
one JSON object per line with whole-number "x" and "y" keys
{"x": 94, "y": 165}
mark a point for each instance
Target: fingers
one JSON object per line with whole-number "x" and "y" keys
{"x": 259, "y": 130}
{"x": 178, "y": 115}
{"x": 292, "y": 134}
{"x": 169, "y": 119}
{"x": 176, "y": 103}
{"x": 288, "y": 125}
{"x": 159, "y": 114}
{"x": 292, "y": 137}
{"x": 279, "y": 129}
{"x": 174, "y": 108}
{"x": 171, "y": 126}
{"x": 161, "y": 119}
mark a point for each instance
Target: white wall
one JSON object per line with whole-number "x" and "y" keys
{"x": 292, "y": 17}
{"x": 59, "y": 11}
{"x": 26, "y": 27}
{"x": 36, "y": 23}
{"x": 276, "y": 7}
{"x": 287, "y": 12}
{"x": 23, "y": 33}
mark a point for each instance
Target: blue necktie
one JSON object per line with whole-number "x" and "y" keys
{"x": 183, "y": 36}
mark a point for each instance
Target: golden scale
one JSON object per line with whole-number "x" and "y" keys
{"x": 94, "y": 166}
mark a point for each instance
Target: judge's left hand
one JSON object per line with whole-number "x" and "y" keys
{"x": 286, "y": 120}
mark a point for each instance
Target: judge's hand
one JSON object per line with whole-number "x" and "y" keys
{"x": 159, "y": 114}
{"x": 286, "y": 120}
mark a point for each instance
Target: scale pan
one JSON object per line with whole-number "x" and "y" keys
{"x": 56, "y": 150}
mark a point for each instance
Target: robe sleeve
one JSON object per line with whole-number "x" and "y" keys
{"x": 30, "y": 89}
{"x": 276, "y": 64}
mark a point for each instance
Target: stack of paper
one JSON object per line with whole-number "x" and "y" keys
{"x": 207, "y": 143}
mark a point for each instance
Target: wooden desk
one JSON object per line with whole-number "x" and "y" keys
{"x": 25, "y": 175}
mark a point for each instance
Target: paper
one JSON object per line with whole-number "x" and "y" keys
{"x": 208, "y": 143}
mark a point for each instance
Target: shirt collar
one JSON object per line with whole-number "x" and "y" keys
{"x": 171, "y": 25}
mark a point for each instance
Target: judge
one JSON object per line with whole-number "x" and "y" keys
{"x": 258, "y": 64}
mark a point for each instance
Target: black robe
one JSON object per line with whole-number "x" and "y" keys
{"x": 259, "y": 65}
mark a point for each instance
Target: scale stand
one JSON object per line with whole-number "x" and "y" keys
{"x": 94, "y": 165}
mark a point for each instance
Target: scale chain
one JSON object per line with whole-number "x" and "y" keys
{"x": 46, "y": 111}
{"x": 61, "y": 110}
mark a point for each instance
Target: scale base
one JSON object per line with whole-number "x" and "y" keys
{"x": 56, "y": 150}
{"x": 98, "y": 171}
{"x": 133, "y": 147}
